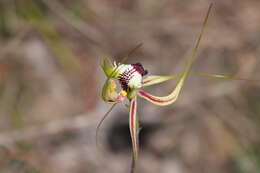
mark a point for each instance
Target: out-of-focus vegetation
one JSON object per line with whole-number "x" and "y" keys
{"x": 50, "y": 83}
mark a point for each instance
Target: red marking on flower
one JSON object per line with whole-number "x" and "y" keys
{"x": 125, "y": 77}
{"x": 140, "y": 69}
{"x": 146, "y": 81}
{"x": 144, "y": 94}
{"x": 132, "y": 117}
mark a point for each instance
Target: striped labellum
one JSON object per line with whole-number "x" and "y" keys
{"x": 131, "y": 75}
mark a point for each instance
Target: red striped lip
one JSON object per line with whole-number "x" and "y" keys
{"x": 150, "y": 97}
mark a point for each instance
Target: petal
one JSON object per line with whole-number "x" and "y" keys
{"x": 172, "y": 97}
{"x": 131, "y": 52}
{"x": 134, "y": 129}
{"x": 152, "y": 80}
{"x": 111, "y": 71}
{"x": 221, "y": 76}
{"x": 160, "y": 101}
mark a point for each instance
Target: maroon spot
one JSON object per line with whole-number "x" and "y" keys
{"x": 140, "y": 69}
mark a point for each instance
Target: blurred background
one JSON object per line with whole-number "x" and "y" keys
{"x": 50, "y": 82}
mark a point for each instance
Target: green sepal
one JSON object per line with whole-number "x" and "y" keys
{"x": 108, "y": 69}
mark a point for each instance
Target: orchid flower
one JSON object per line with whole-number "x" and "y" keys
{"x": 133, "y": 78}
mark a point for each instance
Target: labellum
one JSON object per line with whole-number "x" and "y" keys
{"x": 131, "y": 76}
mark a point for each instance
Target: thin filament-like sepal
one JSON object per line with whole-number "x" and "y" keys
{"x": 156, "y": 79}
{"x": 172, "y": 97}
{"x": 221, "y": 76}
{"x": 134, "y": 128}
{"x": 100, "y": 123}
